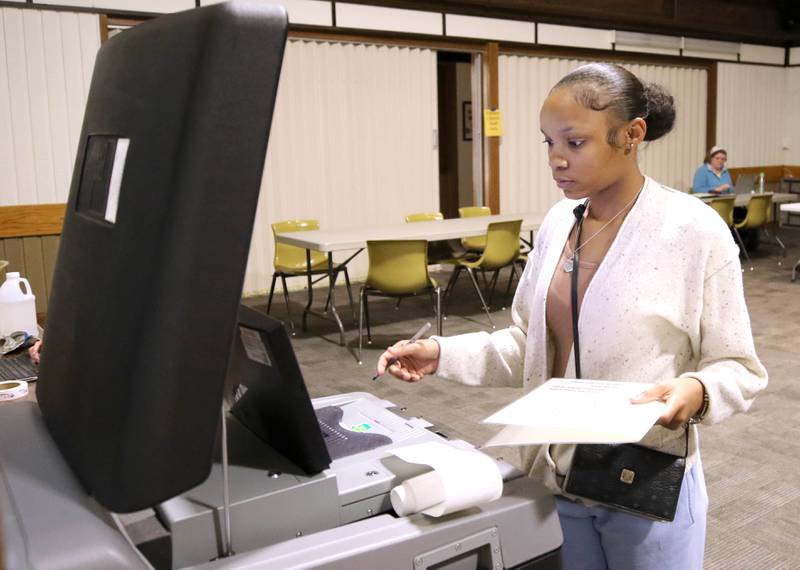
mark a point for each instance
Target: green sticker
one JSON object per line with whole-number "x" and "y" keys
{"x": 361, "y": 427}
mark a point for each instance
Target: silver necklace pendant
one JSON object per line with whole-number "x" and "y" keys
{"x": 569, "y": 265}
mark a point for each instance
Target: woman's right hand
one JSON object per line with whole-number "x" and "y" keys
{"x": 414, "y": 360}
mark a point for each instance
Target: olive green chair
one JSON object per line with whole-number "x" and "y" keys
{"x": 424, "y": 217}
{"x": 397, "y": 269}
{"x": 724, "y": 207}
{"x": 475, "y": 243}
{"x": 290, "y": 261}
{"x": 759, "y": 214}
{"x": 502, "y": 250}
{"x": 442, "y": 251}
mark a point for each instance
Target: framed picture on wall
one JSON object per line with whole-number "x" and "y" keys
{"x": 466, "y": 120}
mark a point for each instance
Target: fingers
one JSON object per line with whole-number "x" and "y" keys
{"x": 680, "y": 396}
{"x": 33, "y": 352}
{"x": 675, "y": 415}
{"x": 657, "y": 393}
{"x": 409, "y": 361}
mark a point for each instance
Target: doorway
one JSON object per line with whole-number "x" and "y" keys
{"x": 456, "y": 132}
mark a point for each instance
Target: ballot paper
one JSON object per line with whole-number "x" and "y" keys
{"x": 576, "y": 411}
{"x": 460, "y": 478}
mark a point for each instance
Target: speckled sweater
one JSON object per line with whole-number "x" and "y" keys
{"x": 666, "y": 301}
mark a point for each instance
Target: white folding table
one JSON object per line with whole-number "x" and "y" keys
{"x": 792, "y": 210}
{"x": 356, "y": 238}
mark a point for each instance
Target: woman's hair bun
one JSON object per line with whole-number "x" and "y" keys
{"x": 660, "y": 111}
{"x": 608, "y": 86}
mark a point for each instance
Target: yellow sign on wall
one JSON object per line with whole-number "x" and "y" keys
{"x": 492, "y": 123}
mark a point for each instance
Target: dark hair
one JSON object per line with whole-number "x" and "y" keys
{"x": 607, "y": 86}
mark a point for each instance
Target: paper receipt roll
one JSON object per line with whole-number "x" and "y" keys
{"x": 13, "y": 389}
{"x": 460, "y": 479}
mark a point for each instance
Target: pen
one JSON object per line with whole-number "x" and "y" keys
{"x": 412, "y": 340}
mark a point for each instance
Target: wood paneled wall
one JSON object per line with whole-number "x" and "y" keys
{"x": 773, "y": 173}
{"x": 29, "y": 238}
{"x": 35, "y": 259}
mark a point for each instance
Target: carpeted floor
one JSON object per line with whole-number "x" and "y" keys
{"x": 751, "y": 462}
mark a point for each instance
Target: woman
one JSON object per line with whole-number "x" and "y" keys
{"x": 661, "y": 301}
{"x": 713, "y": 177}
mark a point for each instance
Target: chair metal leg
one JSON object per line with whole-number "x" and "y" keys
{"x": 451, "y": 283}
{"x": 360, "y": 323}
{"x": 780, "y": 244}
{"x": 794, "y": 271}
{"x": 366, "y": 316}
{"x": 397, "y": 303}
{"x": 511, "y": 276}
{"x": 743, "y": 248}
{"x": 285, "y": 294}
{"x": 493, "y": 286}
{"x": 480, "y": 295}
{"x": 286, "y": 301}
{"x": 439, "y": 310}
{"x": 449, "y": 289}
{"x": 271, "y": 291}
{"x": 783, "y": 250}
{"x": 330, "y": 292}
{"x": 349, "y": 292}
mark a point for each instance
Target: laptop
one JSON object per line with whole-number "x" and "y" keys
{"x": 745, "y": 183}
{"x": 18, "y": 367}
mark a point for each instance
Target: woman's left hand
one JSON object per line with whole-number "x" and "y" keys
{"x": 683, "y": 396}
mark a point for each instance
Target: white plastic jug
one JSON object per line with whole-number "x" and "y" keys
{"x": 17, "y": 306}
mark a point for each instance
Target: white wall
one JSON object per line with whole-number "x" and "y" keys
{"x": 46, "y": 62}
{"x": 751, "y": 124}
{"x": 526, "y": 184}
{"x": 351, "y": 144}
{"x": 791, "y": 125}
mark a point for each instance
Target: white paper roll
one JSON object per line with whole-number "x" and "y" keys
{"x": 13, "y": 389}
{"x": 417, "y": 494}
{"x": 460, "y": 479}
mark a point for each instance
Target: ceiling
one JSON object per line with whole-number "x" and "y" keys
{"x": 767, "y": 22}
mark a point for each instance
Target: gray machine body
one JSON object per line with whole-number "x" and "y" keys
{"x": 340, "y": 518}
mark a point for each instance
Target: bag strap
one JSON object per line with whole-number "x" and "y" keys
{"x": 578, "y": 211}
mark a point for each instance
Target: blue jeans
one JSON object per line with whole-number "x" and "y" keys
{"x": 597, "y": 538}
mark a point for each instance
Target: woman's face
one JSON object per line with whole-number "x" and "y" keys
{"x": 580, "y": 157}
{"x": 718, "y": 161}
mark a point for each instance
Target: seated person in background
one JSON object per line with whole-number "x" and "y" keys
{"x": 713, "y": 177}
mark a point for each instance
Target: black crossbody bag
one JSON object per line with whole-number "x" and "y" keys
{"x": 627, "y": 477}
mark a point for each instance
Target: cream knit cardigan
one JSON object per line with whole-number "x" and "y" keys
{"x": 666, "y": 301}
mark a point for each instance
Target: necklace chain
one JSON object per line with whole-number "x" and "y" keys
{"x": 569, "y": 263}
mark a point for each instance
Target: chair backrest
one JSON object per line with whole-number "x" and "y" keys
{"x": 3, "y": 265}
{"x": 502, "y": 244}
{"x": 474, "y": 211}
{"x": 398, "y": 267}
{"x": 290, "y": 255}
{"x": 474, "y": 243}
{"x": 758, "y": 212}
{"x": 724, "y": 207}
{"x": 424, "y": 217}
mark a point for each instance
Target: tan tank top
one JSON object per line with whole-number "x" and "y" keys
{"x": 559, "y": 308}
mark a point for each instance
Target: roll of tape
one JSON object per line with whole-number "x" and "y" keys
{"x": 13, "y": 390}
